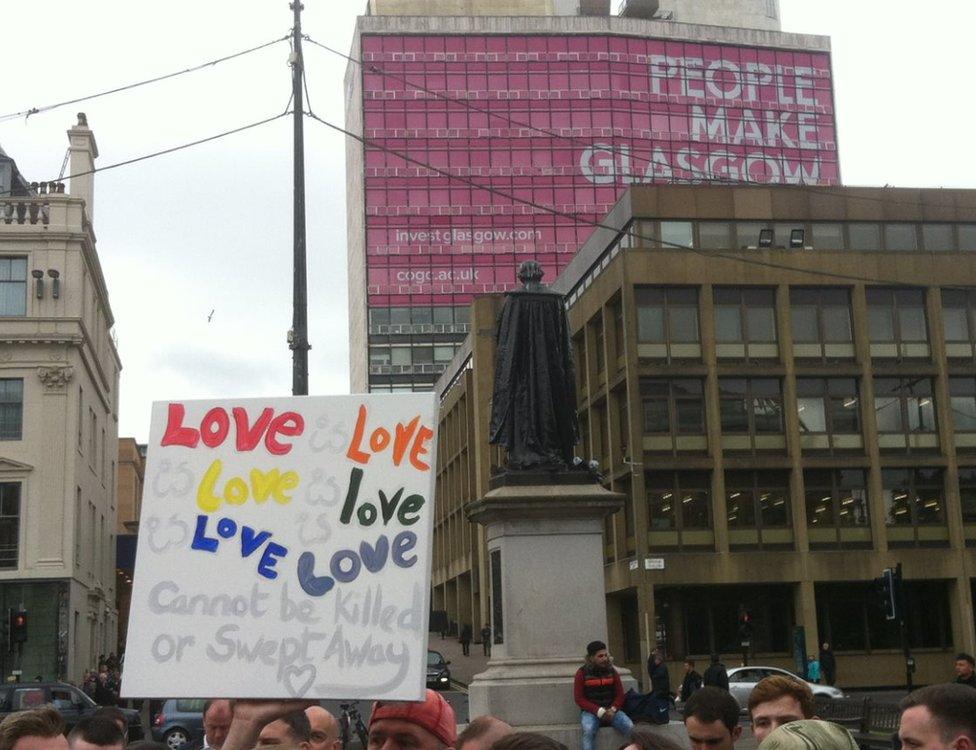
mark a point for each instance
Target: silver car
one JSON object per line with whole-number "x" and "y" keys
{"x": 743, "y": 679}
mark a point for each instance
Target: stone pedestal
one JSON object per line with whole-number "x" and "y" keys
{"x": 545, "y": 548}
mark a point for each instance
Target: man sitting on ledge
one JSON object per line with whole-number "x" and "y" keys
{"x": 599, "y": 693}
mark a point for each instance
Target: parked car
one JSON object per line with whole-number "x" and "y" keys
{"x": 179, "y": 721}
{"x": 743, "y": 679}
{"x": 438, "y": 675}
{"x": 69, "y": 701}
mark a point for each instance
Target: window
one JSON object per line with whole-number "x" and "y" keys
{"x": 757, "y": 501}
{"x": 900, "y": 237}
{"x": 821, "y": 315}
{"x": 11, "y": 408}
{"x": 13, "y": 286}
{"x": 757, "y": 498}
{"x": 913, "y": 497}
{"x": 938, "y": 237}
{"x": 962, "y": 404}
{"x": 708, "y": 616}
{"x": 864, "y": 236}
{"x": 678, "y": 501}
{"x": 828, "y": 236}
{"x": 896, "y": 316}
{"x": 676, "y": 233}
{"x": 673, "y": 406}
{"x": 836, "y": 497}
{"x": 828, "y": 405}
{"x": 967, "y": 236}
{"x": 714, "y": 235}
{"x": 958, "y": 306}
{"x": 667, "y": 315}
{"x": 751, "y": 405}
{"x": 81, "y": 420}
{"x": 9, "y": 523}
{"x": 850, "y": 618}
{"x": 904, "y": 405}
{"x": 745, "y": 316}
{"x": 967, "y": 493}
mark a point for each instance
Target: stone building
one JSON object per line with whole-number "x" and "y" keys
{"x": 782, "y": 381}
{"x": 59, "y": 386}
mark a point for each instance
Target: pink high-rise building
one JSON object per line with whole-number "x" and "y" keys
{"x": 491, "y": 139}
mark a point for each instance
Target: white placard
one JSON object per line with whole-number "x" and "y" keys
{"x": 653, "y": 563}
{"x": 285, "y": 549}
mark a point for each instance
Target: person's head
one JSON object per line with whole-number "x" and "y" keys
{"x": 597, "y": 654}
{"x": 94, "y": 732}
{"x": 689, "y": 665}
{"x": 807, "y": 733}
{"x": 324, "y": 729}
{"x": 482, "y": 733}
{"x": 716, "y": 658}
{"x": 964, "y": 665}
{"x": 825, "y": 646}
{"x": 114, "y": 713}
{"x": 527, "y": 741}
{"x": 429, "y": 725}
{"x": 643, "y": 738}
{"x": 938, "y": 717}
{"x": 776, "y": 701}
{"x": 37, "y": 729}
{"x": 216, "y": 721}
{"x": 712, "y": 719}
{"x": 291, "y": 731}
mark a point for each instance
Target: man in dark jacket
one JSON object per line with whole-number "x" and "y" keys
{"x": 715, "y": 675}
{"x": 599, "y": 693}
{"x": 966, "y": 670}
{"x": 828, "y": 664}
{"x": 691, "y": 682}
{"x": 660, "y": 679}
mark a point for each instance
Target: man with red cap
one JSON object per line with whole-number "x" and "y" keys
{"x": 418, "y": 726}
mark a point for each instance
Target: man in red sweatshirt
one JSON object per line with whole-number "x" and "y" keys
{"x": 599, "y": 694}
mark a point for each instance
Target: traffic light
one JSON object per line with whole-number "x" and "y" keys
{"x": 745, "y": 624}
{"x": 888, "y": 589}
{"x": 18, "y": 626}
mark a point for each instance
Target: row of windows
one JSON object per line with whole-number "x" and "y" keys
{"x": 702, "y": 620}
{"x": 411, "y": 355}
{"x": 681, "y": 501}
{"x": 670, "y": 315}
{"x": 859, "y": 235}
{"x": 424, "y": 315}
{"x": 677, "y": 406}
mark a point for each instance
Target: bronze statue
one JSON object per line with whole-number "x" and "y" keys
{"x": 533, "y": 412}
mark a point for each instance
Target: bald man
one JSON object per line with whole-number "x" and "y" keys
{"x": 482, "y": 733}
{"x": 325, "y": 729}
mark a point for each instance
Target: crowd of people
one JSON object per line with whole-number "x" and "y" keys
{"x": 102, "y": 685}
{"x": 781, "y": 709}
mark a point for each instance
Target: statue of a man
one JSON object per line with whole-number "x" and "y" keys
{"x": 533, "y": 413}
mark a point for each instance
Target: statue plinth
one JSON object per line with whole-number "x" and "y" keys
{"x": 545, "y": 551}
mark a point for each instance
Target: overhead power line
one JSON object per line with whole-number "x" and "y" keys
{"x": 165, "y": 151}
{"x": 579, "y": 219}
{"x": 129, "y": 86}
{"x": 700, "y": 174}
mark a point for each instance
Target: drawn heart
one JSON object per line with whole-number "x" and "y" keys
{"x": 290, "y": 674}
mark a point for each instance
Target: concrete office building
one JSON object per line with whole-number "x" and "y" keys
{"x": 782, "y": 381}
{"x": 501, "y": 131}
{"x": 59, "y": 386}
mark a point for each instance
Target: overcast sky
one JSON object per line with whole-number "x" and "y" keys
{"x": 209, "y": 228}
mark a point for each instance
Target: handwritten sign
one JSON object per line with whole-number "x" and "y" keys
{"x": 285, "y": 549}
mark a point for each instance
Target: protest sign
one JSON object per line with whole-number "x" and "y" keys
{"x": 284, "y": 549}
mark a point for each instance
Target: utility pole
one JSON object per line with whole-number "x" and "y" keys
{"x": 298, "y": 338}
